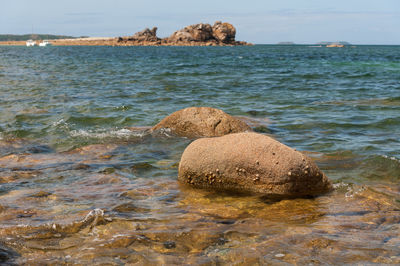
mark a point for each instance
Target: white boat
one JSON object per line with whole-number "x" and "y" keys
{"x": 30, "y": 43}
{"x": 45, "y": 43}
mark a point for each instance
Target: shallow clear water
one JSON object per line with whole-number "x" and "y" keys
{"x": 81, "y": 180}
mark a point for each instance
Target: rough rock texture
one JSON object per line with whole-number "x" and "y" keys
{"x": 198, "y": 32}
{"x": 219, "y": 34}
{"x": 201, "y": 122}
{"x": 224, "y": 32}
{"x": 143, "y": 37}
{"x": 146, "y": 35}
{"x": 201, "y": 34}
{"x": 251, "y": 163}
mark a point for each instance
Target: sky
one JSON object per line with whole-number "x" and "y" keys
{"x": 256, "y": 21}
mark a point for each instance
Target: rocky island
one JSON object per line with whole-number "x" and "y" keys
{"x": 202, "y": 34}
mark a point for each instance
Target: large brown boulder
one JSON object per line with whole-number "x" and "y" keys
{"x": 251, "y": 163}
{"x": 195, "y": 122}
{"x": 224, "y": 32}
{"x": 198, "y": 33}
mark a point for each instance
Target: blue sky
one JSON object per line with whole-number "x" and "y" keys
{"x": 300, "y": 21}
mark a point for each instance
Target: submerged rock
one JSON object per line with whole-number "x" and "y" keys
{"x": 195, "y": 122}
{"x": 7, "y": 256}
{"x": 251, "y": 163}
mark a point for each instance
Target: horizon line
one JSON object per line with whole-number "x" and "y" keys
{"x": 275, "y": 43}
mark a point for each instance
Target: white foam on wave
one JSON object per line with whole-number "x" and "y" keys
{"x": 391, "y": 158}
{"x": 61, "y": 124}
{"x": 354, "y": 190}
{"x": 118, "y": 133}
{"x": 351, "y": 190}
{"x": 166, "y": 131}
{"x": 95, "y": 213}
{"x": 92, "y": 217}
{"x": 340, "y": 185}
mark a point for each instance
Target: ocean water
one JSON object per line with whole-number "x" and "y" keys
{"x": 82, "y": 181}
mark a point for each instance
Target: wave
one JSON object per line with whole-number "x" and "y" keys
{"x": 55, "y": 230}
{"x": 349, "y": 190}
{"x": 123, "y": 133}
{"x": 100, "y": 133}
{"x": 381, "y": 167}
{"x": 389, "y": 101}
{"x": 358, "y": 76}
{"x": 356, "y": 123}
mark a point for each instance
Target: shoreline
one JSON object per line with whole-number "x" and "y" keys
{"x": 202, "y": 34}
{"x": 113, "y": 41}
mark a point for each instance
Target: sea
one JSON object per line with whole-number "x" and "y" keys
{"x": 84, "y": 181}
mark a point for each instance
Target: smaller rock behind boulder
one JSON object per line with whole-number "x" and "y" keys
{"x": 195, "y": 122}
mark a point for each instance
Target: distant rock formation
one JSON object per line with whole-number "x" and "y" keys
{"x": 334, "y": 43}
{"x": 202, "y": 34}
{"x": 224, "y": 32}
{"x": 197, "y": 33}
{"x": 145, "y": 36}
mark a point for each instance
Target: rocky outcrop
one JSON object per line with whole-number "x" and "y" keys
{"x": 224, "y": 32}
{"x": 145, "y": 36}
{"x": 250, "y": 163}
{"x": 196, "y": 122}
{"x": 335, "y": 45}
{"x": 219, "y": 34}
{"x": 197, "y": 33}
{"x": 201, "y": 34}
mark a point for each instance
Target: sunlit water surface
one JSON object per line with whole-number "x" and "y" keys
{"x": 83, "y": 182}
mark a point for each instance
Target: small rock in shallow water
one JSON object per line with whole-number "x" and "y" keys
{"x": 41, "y": 194}
{"x": 7, "y": 256}
{"x": 196, "y": 122}
{"x": 169, "y": 244}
